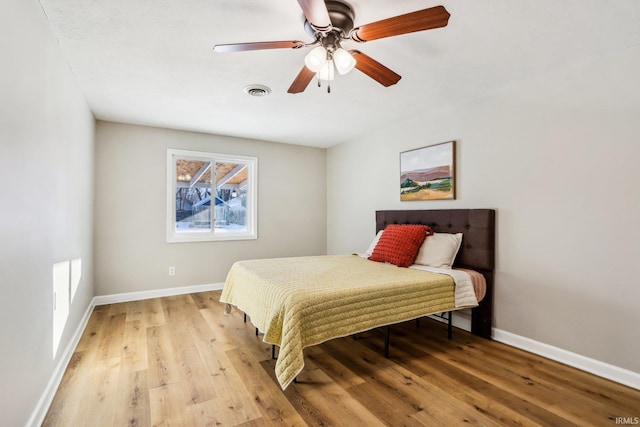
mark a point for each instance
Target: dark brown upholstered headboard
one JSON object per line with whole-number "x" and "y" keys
{"x": 477, "y": 251}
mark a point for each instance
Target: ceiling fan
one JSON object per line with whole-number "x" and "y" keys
{"x": 329, "y": 22}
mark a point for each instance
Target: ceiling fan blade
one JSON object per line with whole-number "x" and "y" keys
{"x": 426, "y": 19}
{"x": 374, "y": 69}
{"x": 301, "y": 81}
{"x": 316, "y": 13}
{"x": 242, "y": 47}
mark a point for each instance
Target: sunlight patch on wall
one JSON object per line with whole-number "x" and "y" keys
{"x": 76, "y": 276}
{"x": 61, "y": 277}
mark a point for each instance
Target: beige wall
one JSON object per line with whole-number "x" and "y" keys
{"x": 557, "y": 156}
{"x": 131, "y": 253}
{"x": 46, "y": 203}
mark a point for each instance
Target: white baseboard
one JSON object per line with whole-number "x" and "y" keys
{"x": 40, "y": 411}
{"x": 596, "y": 367}
{"x": 157, "y": 293}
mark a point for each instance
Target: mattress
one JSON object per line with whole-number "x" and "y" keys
{"x": 303, "y": 301}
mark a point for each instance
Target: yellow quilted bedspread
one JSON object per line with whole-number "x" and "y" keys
{"x": 302, "y": 301}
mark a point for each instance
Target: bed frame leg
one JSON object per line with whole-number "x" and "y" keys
{"x": 256, "y": 331}
{"x": 386, "y": 341}
{"x": 273, "y": 352}
{"x": 245, "y": 318}
{"x": 450, "y": 325}
{"x": 295, "y": 380}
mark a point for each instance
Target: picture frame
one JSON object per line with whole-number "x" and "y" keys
{"x": 428, "y": 173}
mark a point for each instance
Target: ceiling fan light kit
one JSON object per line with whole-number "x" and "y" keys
{"x": 322, "y": 61}
{"x": 329, "y": 22}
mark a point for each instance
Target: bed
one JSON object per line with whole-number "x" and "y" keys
{"x": 303, "y": 301}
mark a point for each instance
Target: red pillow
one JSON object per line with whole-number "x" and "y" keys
{"x": 400, "y": 243}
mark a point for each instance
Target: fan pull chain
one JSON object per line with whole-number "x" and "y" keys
{"x": 328, "y": 85}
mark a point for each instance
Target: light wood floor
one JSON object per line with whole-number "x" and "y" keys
{"x": 181, "y": 361}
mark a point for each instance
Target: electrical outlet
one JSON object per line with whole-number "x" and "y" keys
{"x": 172, "y": 271}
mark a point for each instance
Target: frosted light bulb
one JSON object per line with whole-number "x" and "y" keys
{"x": 327, "y": 72}
{"x": 316, "y": 59}
{"x": 344, "y": 61}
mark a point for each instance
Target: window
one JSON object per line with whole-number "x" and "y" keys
{"x": 210, "y": 196}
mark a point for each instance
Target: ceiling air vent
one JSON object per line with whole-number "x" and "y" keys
{"x": 257, "y": 90}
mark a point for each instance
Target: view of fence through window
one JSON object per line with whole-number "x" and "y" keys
{"x": 203, "y": 198}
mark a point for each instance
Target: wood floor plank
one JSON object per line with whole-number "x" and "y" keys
{"x": 396, "y": 383}
{"x": 93, "y": 331}
{"x": 321, "y": 401}
{"x": 437, "y": 408}
{"x": 162, "y": 366}
{"x": 206, "y": 300}
{"x": 132, "y": 399}
{"x": 111, "y": 342}
{"x": 135, "y": 310}
{"x": 529, "y": 387}
{"x": 259, "y": 422}
{"x": 273, "y": 405}
{"x": 337, "y": 371}
{"x": 182, "y": 360}
{"x": 233, "y": 403}
{"x": 386, "y": 393}
{"x": 67, "y": 399}
{"x": 98, "y": 401}
{"x": 498, "y": 404}
{"x": 311, "y": 414}
{"x": 573, "y": 380}
{"x": 153, "y": 312}
{"x": 231, "y": 332}
{"x": 74, "y": 383}
{"x": 572, "y": 393}
{"x": 193, "y": 371}
{"x": 208, "y": 414}
{"x": 119, "y": 308}
{"x": 167, "y": 408}
{"x": 134, "y": 346}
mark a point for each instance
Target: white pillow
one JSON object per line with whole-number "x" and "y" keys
{"x": 374, "y": 243}
{"x": 439, "y": 250}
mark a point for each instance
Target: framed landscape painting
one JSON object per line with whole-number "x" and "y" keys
{"x": 428, "y": 173}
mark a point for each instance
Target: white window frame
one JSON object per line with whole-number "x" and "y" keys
{"x": 207, "y": 236}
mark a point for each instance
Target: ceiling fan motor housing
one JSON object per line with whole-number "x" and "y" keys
{"x": 341, "y": 15}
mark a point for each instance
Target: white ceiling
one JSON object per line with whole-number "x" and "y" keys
{"x": 151, "y": 62}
